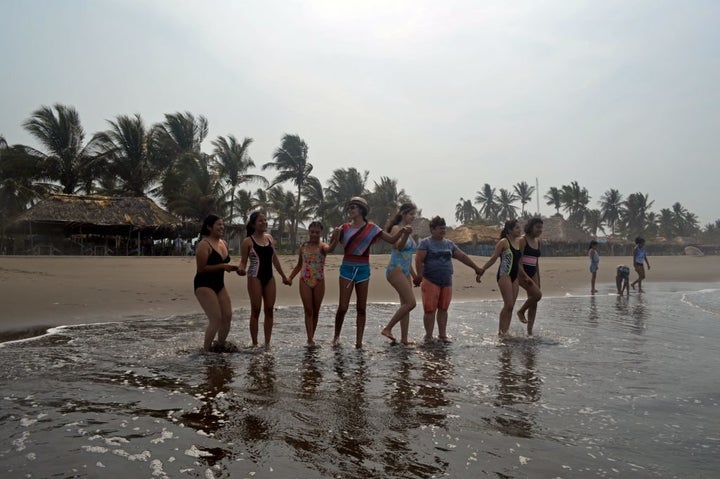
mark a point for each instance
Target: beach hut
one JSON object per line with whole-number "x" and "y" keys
{"x": 78, "y": 224}
{"x": 475, "y": 239}
{"x": 561, "y": 238}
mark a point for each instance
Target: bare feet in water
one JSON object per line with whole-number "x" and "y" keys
{"x": 385, "y": 332}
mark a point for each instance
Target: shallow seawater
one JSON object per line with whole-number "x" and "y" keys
{"x": 608, "y": 387}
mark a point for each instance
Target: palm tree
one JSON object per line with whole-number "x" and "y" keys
{"x": 610, "y": 206}
{"x": 686, "y": 223}
{"x": 18, "y": 186}
{"x": 666, "y": 224}
{"x": 465, "y": 212}
{"x": 651, "y": 229}
{"x": 575, "y": 200}
{"x": 176, "y": 144}
{"x": 291, "y": 162}
{"x": 554, "y": 199}
{"x": 314, "y": 201}
{"x": 127, "y": 149}
{"x": 634, "y": 214}
{"x": 282, "y": 203}
{"x": 385, "y": 199}
{"x": 232, "y": 162}
{"x": 524, "y": 194}
{"x": 488, "y": 203}
{"x": 593, "y": 222}
{"x": 244, "y": 202}
{"x": 180, "y": 134}
{"x": 193, "y": 189}
{"x": 505, "y": 208}
{"x": 344, "y": 183}
{"x": 67, "y": 159}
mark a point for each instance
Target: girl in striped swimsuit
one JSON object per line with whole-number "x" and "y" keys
{"x": 259, "y": 249}
{"x": 508, "y": 250}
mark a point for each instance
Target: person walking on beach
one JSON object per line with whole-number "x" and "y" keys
{"x": 509, "y": 252}
{"x": 434, "y": 271}
{"x": 399, "y": 272}
{"x": 311, "y": 267}
{"x": 258, "y": 247}
{"x": 594, "y": 264}
{"x": 357, "y": 236}
{"x": 530, "y": 248}
{"x": 212, "y": 262}
{"x": 639, "y": 262}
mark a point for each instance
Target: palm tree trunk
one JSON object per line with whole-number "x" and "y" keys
{"x": 295, "y": 220}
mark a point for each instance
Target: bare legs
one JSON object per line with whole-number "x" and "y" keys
{"x": 312, "y": 300}
{"x": 403, "y": 286}
{"x": 261, "y": 297}
{"x": 361, "y": 293}
{"x": 592, "y": 282}
{"x": 429, "y": 319}
{"x": 509, "y": 291}
{"x": 530, "y": 304}
{"x": 640, "y": 270}
{"x": 219, "y": 312}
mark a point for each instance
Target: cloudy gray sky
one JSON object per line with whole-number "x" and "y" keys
{"x": 442, "y": 96}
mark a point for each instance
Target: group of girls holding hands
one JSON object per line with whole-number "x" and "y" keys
{"x": 432, "y": 271}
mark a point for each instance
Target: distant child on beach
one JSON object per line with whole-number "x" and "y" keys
{"x": 622, "y": 279}
{"x": 639, "y": 262}
{"x": 594, "y": 263}
{"x": 311, "y": 265}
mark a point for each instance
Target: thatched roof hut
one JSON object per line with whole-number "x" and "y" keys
{"x": 557, "y": 230}
{"x": 474, "y": 234}
{"x": 103, "y": 215}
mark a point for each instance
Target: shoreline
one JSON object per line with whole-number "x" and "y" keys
{"x": 47, "y": 291}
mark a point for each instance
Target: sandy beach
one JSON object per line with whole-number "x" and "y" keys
{"x": 58, "y": 290}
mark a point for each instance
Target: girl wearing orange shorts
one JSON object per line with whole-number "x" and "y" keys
{"x": 433, "y": 264}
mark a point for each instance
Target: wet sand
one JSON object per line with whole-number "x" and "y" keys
{"x": 40, "y": 291}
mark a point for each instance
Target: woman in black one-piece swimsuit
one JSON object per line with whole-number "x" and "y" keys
{"x": 212, "y": 261}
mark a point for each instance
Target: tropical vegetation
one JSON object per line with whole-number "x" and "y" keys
{"x": 166, "y": 161}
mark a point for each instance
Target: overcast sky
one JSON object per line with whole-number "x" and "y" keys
{"x": 442, "y": 96}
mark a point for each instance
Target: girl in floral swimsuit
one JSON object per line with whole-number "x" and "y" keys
{"x": 311, "y": 267}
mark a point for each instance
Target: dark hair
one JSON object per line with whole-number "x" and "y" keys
{"x": 530, "y": 225}
{"x": 207, "y": 224}
{"x": 639, "y": 240}
{"x": 397, "y": 217}
{"x": 316, "y": 224}
{"x": 250, "y": 226}
{"x": 360, "y": 203}
{"x": 592, "y": 243}
{"x": 437, "y": 221}
{"x": 509, "y": 225}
